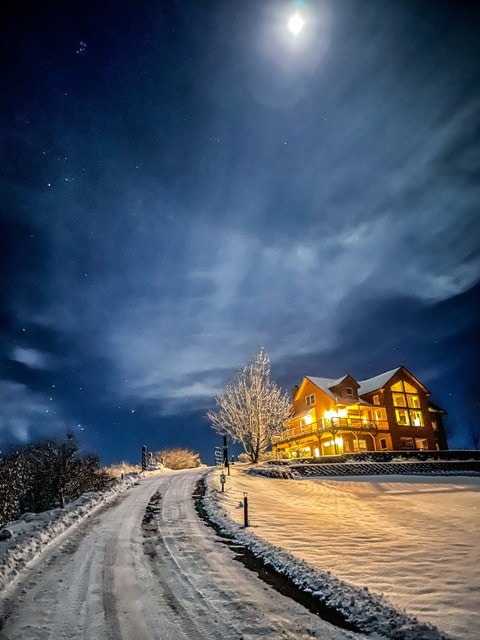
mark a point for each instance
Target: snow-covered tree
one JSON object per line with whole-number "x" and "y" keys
{"x": 13, "y": 483}
{"x": 252, "y": 408}
{"x": 44, "y": 475}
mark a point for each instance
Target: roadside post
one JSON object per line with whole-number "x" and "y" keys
{"x": 144, "y": 457}
{"x": 225, "y": 451}
{"x": 223, "y": 479}
{"x": 245, "y": 509}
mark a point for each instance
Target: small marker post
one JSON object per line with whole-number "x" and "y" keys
{"x": 245, "y": 509}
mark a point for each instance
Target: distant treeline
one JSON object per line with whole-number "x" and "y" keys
{"x": 46, "y": 475}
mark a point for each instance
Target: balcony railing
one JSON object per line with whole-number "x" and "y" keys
{"x": 334, "y": 425}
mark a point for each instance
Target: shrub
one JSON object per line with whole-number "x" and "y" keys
{"x": 177, "y": 458}
{"x": 116, "y": 470}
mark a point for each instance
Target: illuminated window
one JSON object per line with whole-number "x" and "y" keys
{"x": 407, "y": 398}
{"x": 378, "y": 414}
{"x": 403, "y": 386}
{"x": 399, "y": 400}
{"x": 407, "y": 443}
{"x": 376, "y": 399}
{"x": 417, "y": 418}
{"x": 421, "y": 443}
{"x": 413, "y": 401}
{"x": 310, "y": 399}
{"x": 402, "y": 416}
{"x": 434, "y": 425}
{"x": 349, "y": 392}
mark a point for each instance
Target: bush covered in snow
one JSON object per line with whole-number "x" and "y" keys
{"x": 178, "y": 458}
{"x": 121, "y": 469}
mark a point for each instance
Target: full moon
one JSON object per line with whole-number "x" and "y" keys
{"x": 295, "y": 24}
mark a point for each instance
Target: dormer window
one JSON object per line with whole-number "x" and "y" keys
{"x": 349, "y": 392}
{"x": 376, "y": 400}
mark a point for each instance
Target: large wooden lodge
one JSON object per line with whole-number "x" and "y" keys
{"x": 391, "y": 411}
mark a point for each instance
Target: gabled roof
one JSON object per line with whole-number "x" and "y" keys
{"x": 366, "y": 386}
{"x": 326, "y": 383}
{"x": 377, "y": 382}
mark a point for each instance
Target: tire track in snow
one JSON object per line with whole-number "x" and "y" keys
{"x": 108, "y": 590}
{"x": 101, "y": 583}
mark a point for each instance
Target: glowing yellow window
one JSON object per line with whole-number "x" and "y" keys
{"x": 402, "y": 416}
{"x": 398, "y": 386}
{"x": 409, "y": 388}
{"x": 413, "y": 401}
{"x": 417, "y": 418}
{"x": 399, "y": 400}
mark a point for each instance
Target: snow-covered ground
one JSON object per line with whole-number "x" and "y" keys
{"x": 170, "y": 578}
{"x": 384, "y": 551}
{"x": 413, "y": 540}
{"x": 23, "y": 540}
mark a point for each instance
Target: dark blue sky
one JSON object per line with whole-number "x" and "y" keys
{"x": 185, "y": 182}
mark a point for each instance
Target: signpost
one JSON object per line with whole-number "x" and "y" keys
{"x": 218, "y": 455}
{"x": 144, "y": 457}
{"x": 221, "y": 455}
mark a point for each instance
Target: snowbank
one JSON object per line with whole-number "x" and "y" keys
{"x": 23, "y": 540}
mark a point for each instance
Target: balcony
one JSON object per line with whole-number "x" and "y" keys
{"x": 332, "y": 426}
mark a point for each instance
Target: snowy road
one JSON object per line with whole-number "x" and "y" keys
{"x": 106, "y": 581}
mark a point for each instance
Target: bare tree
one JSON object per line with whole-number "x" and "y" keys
{"x": 45, "y": 475}
{"x": 252, "y": 408}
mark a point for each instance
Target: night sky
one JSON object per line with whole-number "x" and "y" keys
{"x": 185, "y": 182}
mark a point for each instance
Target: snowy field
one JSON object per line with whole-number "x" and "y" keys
{"x": 411, "y": 539}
